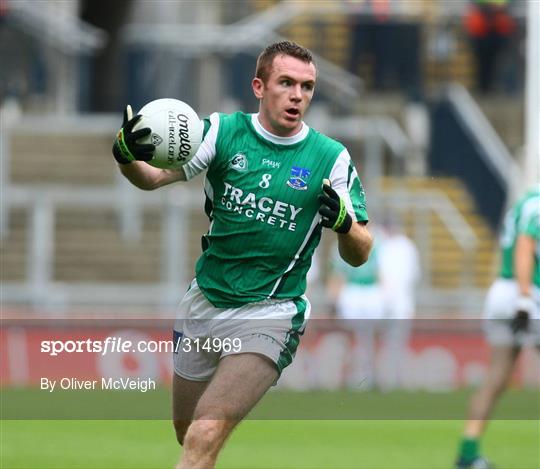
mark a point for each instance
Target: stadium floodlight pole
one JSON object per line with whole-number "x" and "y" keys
{"x": 532, "y": 96}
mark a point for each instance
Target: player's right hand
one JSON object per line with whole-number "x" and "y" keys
{"x": 125, "y": 148}
{"x": 520, "y": 321}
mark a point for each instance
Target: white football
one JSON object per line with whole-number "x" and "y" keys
{"x": 177, "y": 132}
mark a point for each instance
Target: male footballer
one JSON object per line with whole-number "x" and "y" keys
{"x": 512, "y": 312}
{"x": 272, "y": 183}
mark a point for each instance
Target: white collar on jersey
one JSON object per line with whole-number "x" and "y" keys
{"x": 275, "y": 138}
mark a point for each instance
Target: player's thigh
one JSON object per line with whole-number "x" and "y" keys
{"x": 501, "y": 364}
{"x": 238, "y": 384}
{"x": 186, "y": 394}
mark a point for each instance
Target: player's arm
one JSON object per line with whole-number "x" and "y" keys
{"x": 148, "y": 178}
{"x": 354, "y": 239}
{"x": 131, "y": 157}
{"x": 524, "y": 263}
{"x": 354, "y": 247}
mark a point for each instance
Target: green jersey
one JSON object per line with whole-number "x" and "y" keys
{"x": 262, "y": 201}
{"x": 366, "y": 274}
{"x": 522, "y": 219}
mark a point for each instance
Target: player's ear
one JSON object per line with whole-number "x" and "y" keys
{"x": 258, "y": 87}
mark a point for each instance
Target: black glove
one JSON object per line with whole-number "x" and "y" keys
{"x": 520, "y": 321}
{"x": 125, "y": 148}
{"x": 333, "y": 211}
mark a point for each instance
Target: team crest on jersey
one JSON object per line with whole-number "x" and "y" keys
{"x": 239, "y": 162}
{"x": 298, "y": 178}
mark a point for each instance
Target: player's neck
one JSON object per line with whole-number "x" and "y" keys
{"x": 272, "y": 137}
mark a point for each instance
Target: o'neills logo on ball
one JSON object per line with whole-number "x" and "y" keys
{"x": 178, "y": 134}
{"x": 183, "y": 132}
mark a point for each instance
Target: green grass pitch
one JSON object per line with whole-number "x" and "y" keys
{"x": 273, "y": 444}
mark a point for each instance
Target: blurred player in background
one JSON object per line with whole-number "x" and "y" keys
{"x": 378, "y": 299}
{"x": 399, "y": 273}
{"x": 512, "y": 316}
{"x": 357, "y": 296}
{"x": 272, "y": 183}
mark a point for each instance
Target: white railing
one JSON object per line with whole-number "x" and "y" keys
{"x": 41, "y": 202}
{"x": 40, "y": 288}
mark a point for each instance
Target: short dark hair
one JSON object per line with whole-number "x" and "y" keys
{"x": 266, "y": 58}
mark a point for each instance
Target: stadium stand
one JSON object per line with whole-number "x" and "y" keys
{"x": 95, "y": 243}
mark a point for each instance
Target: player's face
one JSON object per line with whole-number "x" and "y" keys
{"x": 285, "y": 95}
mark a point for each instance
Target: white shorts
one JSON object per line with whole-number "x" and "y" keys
{"x": 361, "y": 302}
{"x": 499, "y": 310}
{"x": 203, "y": 334}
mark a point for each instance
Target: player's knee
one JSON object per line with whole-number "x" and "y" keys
{"x": 205, "y": 433}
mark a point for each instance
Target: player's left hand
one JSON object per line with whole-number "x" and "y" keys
{"x": 524, "y": 307}
{"x": 333, "y": 210}
{"x": 126, "y": 148}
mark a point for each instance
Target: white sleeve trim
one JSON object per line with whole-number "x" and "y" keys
{"x": 338, "y": 178}
{"x": 206, "y": 152}
{"x": 529, "y": 212}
